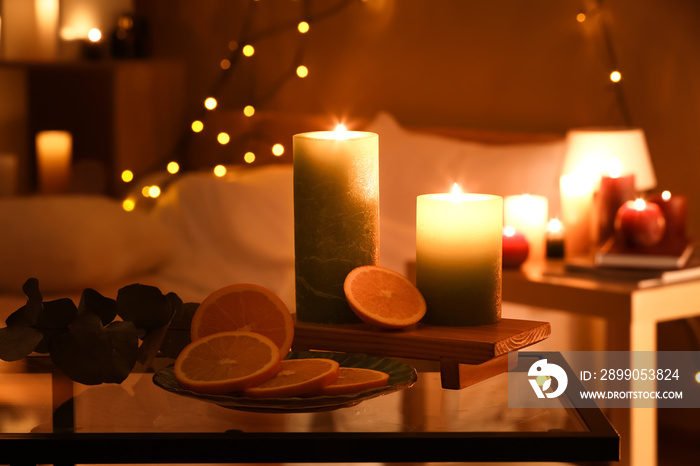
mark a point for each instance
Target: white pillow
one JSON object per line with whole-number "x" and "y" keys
{"x": 74, "y": 242}
{"x": 238, "y": 228}
{"x": 413, "y": 163}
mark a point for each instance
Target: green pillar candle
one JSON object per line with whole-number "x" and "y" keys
{"x": 458, "y": 257}
{"x": 336, "y": 218}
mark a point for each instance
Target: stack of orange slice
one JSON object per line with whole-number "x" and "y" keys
{"x": 241, "y": 335}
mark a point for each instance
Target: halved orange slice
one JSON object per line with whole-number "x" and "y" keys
{"x": 248, "y": 308}
{"x": 227, "y": 362}
{"x": 383, "y": 297}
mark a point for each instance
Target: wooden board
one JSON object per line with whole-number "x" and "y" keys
{"x": 478, "y": 348}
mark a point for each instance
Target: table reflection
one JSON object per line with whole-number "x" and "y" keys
{"x": 34, "y": 401}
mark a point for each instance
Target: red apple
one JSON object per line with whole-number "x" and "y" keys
{"x": 640, "y": 223}
{"x": 515, "y": 248}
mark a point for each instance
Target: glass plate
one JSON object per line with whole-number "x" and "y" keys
{"x": 401, "y": 376}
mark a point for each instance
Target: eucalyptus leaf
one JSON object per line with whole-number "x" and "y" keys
{"x": 85, "y": 342}
{"x": 55, "y": 317}
{"x": 29, "y": 313}
{"x": 145, "y": 306}
{"x": 91, "y": 354}
{"x": 18, "y": 341}
{"x": 103, "y": 307}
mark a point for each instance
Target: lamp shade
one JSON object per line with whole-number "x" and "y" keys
{"x": 596, "y": 149}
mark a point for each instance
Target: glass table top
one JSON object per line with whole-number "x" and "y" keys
{"x": 39, "y": 404}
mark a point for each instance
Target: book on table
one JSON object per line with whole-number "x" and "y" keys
{"x": 663, "y": 256}
{"x": 646, "y": 268}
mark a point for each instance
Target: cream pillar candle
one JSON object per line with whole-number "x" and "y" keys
{"x": 458, "y": 257}
{"x": 528, "y": 214}
{"x": 54, "y": 151}
{"x": 576, "y": 191}
{"x": 336, "y": 218}
{"x": 9, "y": 174}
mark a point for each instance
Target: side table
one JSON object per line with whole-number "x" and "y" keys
{"x": 631, "y": 314}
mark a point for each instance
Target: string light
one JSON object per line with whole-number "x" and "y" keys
{"x": 197, "y": 126}
{"x": 173, "y": 167}
{"x": 151, "y": 191}
{"x": 128, "y": 204}
{"x": 223, "y": 138}
{"x": 248, "y": 50}
{"x": 226, "y": 66}
{"x": 219, "y": 171}
{"x": 277, "y": 150}
{"x": 302, "y": 71}
{"x": 245, "y": 46}
{"x": 596, "y": 11}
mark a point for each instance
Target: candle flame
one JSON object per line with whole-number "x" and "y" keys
{"x": 94, "y": 35}
{"x": 614, "y": 168}
{"x": 639, "y": 204}
{"x": 554, "y": 225}
{"x": 456, "y": 193}
{"x": 509, "y": 231}
{"x": 341, "y": 128}
{"x": 666, "y": 195}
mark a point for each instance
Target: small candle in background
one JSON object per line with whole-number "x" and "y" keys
{"x": 615, "y": 189}
{"x": 555, "y": 239}
{"x": 54, "y": 152}
{"x": 9, "y": 174}
{"x": 675, "y": 210}
{"x": 30, "y": 30}
{"x": 640, "y": 223}
{"x": 459, "y": 240}
{"x": 576, "y": 191}
{"x": 528, "y": 215}
{"x": 92, "y": 47}
{"x": 515, "y": 248}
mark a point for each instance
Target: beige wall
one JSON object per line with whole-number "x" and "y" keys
{"x": 504, "y": 64}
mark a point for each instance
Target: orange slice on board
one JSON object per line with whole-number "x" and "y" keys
{"x": 248, "y": 308}
{"x": 227, "y": 362}
{"x": 353, "y": 380}
{"x": 297, "y": 377}
{"x": 383, "y": 297}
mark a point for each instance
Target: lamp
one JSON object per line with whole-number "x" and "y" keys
{"x": 596, "y": 148}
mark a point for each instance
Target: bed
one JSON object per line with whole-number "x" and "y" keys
{"x": 205, "y": 232}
